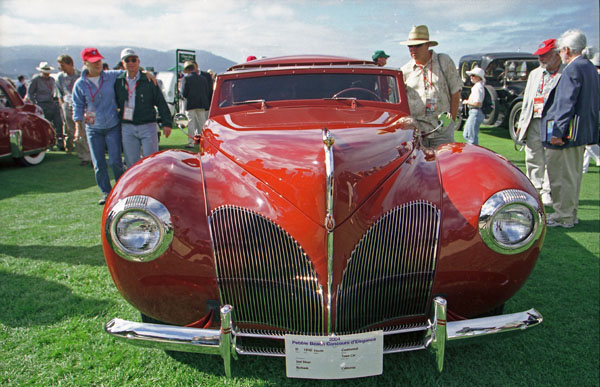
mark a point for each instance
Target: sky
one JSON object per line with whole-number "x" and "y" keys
{"x": 235, "y": 29}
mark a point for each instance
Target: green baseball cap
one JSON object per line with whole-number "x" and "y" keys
{"x": 379, "y": 54}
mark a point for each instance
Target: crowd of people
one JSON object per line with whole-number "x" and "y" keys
{"x": 116, "y": 110}
{"x": 559, "y": 121}
{"x": 98, "y": 110}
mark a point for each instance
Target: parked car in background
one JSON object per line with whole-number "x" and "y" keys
{"x": 313, "y": 225}
{"x": 25, "y": 135}
{"x": 506, "y": 76}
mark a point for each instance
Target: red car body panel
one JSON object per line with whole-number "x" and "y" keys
{"x": 37, "y": 133}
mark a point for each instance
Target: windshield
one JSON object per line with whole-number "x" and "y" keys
{"x": 370, "y": 87}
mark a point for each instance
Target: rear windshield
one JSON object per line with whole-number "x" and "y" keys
{"x": 370, "y": 87}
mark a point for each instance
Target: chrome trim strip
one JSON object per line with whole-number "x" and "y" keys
{"x": 515, "y": 322}
{"x": 176, "y": 338}
{"x": 436, "y": 335}
{"x": 16, "y": 143}
{"x": 279, "y": 353}
{"x": 328, "y": 141}
{"x": 281, "y": 335}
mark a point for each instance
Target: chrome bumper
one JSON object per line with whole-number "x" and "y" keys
{"x": 222, "y": 341}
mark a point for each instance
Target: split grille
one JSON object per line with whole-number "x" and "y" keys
{"x": 268, "y": 278}
{"x": 390, "y": 272}
{"x": 264, "y": 273}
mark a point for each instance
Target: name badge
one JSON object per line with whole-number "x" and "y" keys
{"x": 127, "y": 113}
{"x": 538, "y": 106}
{"x": 430, "y": 106}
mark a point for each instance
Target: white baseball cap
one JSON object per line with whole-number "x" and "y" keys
{"x": 478, "y": 71}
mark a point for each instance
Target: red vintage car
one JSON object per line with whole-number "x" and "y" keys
{"x": 313, "y": 224}
{"x": 25, "y": 135}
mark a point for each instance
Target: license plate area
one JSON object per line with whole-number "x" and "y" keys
{"x": 334, "y": 357}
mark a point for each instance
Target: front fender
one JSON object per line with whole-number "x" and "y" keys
{"x": 474, "y": 277}
{"x": 184, "y": 277}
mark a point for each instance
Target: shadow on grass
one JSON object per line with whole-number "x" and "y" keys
{"x": 59, "y": 172}
{"x": 30, "y": 301}
{"x": 73, "y": 255}
{"x": 496, "y": 131}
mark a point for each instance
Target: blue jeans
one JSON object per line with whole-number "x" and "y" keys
{"x": 471, "y": 129}
{"x": 99, "y": 140}
{"x": 136, "y": 137}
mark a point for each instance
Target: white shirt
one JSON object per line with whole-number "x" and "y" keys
{"x": 477, "y": 94}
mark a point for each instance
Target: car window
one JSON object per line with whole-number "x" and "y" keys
{"x": 4, "y": 100}
{"x": 371, "y": 87}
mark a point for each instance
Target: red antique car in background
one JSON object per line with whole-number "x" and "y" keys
{"x": 24, "y": 133}
{"x": 314, "y": 225}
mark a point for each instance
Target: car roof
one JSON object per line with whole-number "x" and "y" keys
{"x": 300, "y": 60}
{"x": 498, "y": 55}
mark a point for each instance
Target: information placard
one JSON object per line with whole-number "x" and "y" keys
{"x": 334, "y": 357}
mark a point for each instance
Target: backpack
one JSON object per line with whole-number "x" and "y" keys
{"x": 486, "y": 106}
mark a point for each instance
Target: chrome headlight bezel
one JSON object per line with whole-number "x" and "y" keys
{"x": 500, "y": 204}
{"x": 154, "y": 212}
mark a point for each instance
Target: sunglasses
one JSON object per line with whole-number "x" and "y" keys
{"x": 417, "y": 45}
{"x": 131, "y": 59}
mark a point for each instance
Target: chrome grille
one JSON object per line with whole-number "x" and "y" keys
{"x": 390, "y": 272}
{"x": 264, "y": 273}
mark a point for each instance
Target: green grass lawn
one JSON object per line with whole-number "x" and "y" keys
{"x": 56, "y": 295}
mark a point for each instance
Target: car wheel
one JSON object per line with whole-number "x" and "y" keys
{"x": 490, "y": 119}
{"x": 31, "y": 160}
{"x": 513, "y": 120}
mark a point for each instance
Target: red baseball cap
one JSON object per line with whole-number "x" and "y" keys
{"x": 91, "y": 54}
{"x": 545, "y": 46}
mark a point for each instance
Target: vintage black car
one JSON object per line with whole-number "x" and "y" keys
{"x": 505, "y": 76}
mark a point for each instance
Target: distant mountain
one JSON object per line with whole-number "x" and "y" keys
{"x": 17, "y": 60}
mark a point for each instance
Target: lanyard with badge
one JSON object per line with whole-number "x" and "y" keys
{"x": 430, "y": 98}
{"x": 538, "y": 102}
{"x": 130, "y": 103}
{"x": 90, "y": 115}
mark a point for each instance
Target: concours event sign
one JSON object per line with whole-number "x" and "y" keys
{"x": 334, "y": 357}
{"x": 181, "y": 56}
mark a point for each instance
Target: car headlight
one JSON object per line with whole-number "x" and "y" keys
{"x": 139, "y": 228}
{"x": 511, "y": 221}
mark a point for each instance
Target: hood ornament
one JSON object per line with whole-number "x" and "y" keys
{"x": 328, "y": 141}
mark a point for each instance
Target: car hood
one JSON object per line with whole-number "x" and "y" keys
{"x": 284, "y": 149}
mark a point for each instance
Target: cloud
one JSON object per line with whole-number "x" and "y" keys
{"x": 238, "y": 28}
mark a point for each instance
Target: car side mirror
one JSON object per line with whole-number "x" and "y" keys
{"x": 181, "y": 120}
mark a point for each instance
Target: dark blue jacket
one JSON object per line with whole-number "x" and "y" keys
{"x": 195, "y": 90}
{"x": 571, "y": 112}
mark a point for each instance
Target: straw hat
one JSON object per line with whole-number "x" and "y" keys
{"x": 44, "y": 67}
{"x": 419, "y": 35}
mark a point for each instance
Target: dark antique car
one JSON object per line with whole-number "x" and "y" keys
{"x": 506, "y": 76}
{"x": 25, "y": 135}
{"x": 313, "y": 225}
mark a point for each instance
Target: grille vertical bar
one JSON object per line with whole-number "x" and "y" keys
{"x": 264, "y": 273}
{"x": 390, "y": 272}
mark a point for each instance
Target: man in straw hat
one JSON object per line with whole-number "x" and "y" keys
{"x": 42, "y": 92}
{"x": 432, "y": 85}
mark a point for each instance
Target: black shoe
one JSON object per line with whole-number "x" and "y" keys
{"x": 102, "y": 200}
